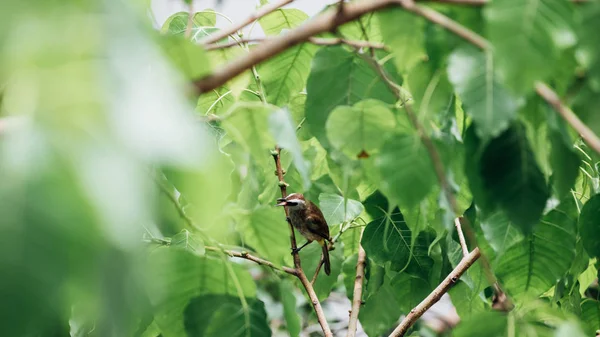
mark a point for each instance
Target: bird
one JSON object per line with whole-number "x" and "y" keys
{"x": 308, "y": 219}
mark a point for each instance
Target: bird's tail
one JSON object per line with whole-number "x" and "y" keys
{"x": 326, "y": 262}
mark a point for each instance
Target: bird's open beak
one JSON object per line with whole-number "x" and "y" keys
{"x": 281, "y": 202}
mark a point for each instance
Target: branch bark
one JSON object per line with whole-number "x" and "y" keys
{"x": 568, "y": 115}
{"x": 258, "y": 260}
{"x": 461, "y": 236}
{"x": 314, "y": 40}
{"x": 297, "y": 263}
{"x": 357, "y": 294}
{"x": 436, "y": 294}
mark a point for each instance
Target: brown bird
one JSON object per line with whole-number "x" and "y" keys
{"x": 308, "y": 219}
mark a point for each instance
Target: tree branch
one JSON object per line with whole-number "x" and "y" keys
{"x": 314, "y": 40}
{"x": 297, "y": 264}
{"x": 461, "y": 236}
{"x": 259, "y": 13}
{"x": 436, "y": 294}
{"x": 258, "y": 260}
{"x": 357, "y": 294}
{"x": 568, "y": 115}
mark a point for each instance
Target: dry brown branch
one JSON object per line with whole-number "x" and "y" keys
{"x": 247, "y": 256}
{"x": 259, "y": 13}
{"x": 357, "y": 294}
{"x": 568, "y": 115}
{"x": 314, "y": 40}
{"x": 297, "y": 264}
{"x": 436, "y": 294}
{"x": 461, "y": 236}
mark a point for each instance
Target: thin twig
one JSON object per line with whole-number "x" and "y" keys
{"x": 314, "y": 40}
{"x": 190, "y": 21}
{"x": 357, "y": 294}
{"x": 259, "y": 13}
{"x": 436, "y": 294}
{"x": 297, "y": 264}
{"x": 568, "y": 115}
{"x": 258, "y": 260}
{"x": 461, "y": 236}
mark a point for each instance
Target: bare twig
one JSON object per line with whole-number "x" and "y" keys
{"x": 436, "y": 294}
{"x": 190, "y": 21}
{"x": 297, "y": 264}
{"x": 314, "y": 40}
{"x": 262, "y": 11}
{"x": 357, "y": 294}
{"x": 568, "y": 115}
{"x": 258, "y": 260}
{"x": 461, "y": 236}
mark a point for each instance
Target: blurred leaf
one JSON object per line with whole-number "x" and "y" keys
{"x": 338, "y": 209}
{"x": 588, "y": 52}
{"x": 187, "y": 241}
{"x": 403, "y": 33}
{"x": 283, "y": 130}
{"x": 282, "y": 19}
{"x": 490, "y": 323}
{"x": 484, "y": 99}
{"x": 189, "y": 58}
{"x": 466, "y": 302}
{"x": 525, "y": 41}
{"x": 589, "y": 226}
{"x": 361, "y": 128}
{"x": 349, "y": 274}
{"x": 339, "y": 77}
{"x": 500, "y": 232}
{"x": 569, "y": 329}
{"x": 288, "y": 299}
{"x": 544, "y": 256}
{"x": 266, "y": 232}
{"x": 311, "y": 256}
{"x": 406, "y": 170}
{"x": 590, "y": 315}
{"x": 203, "y": 24}
{"x": 565, "y": 164}
{"x": 224, "y": 315}
{"x": 367, "y": 28}
{"x": 432, "y": 94}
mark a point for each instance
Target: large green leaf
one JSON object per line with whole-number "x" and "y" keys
{"x": 484, "y": 99}
{"x": 177, "y": 276}
{"x": 489, "y": 323}
{"x": 544, "y": 256}
{"x": 191, "y": 60}
{"x": 361, "y": 129}
{"x": 282, "y": 19}
{"x": 267, "y": 233}
{"x": 225, "y": 315}
{"x": 339, "y": 77}
{"x": 589, "y": 226}
{"x": 565, "y": 164}
{"x": 338, "y": 209}
{"x": 410, "y": 290}
{"x": 381, "y": 310}
{"x": 288, "y": 299}
{"x": 500, "y": 232}
{"x": 590, "y": 314}
{"x": 406, "y": 170}
{"x": 403, "y": 33}
{"x": 527, "y": 36}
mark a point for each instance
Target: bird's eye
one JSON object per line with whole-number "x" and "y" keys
{"x": 292, "y": 203}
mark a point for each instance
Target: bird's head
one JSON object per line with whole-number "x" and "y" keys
{"x": 293, "y": 201}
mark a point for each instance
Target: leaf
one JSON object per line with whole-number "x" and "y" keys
{"x": 432, "y": 94}
{"x": 339, "y": 77}
{"x": 500, "y": 232}
{"x": 380, "y": 311}
{"x": 488, "y": 323}
{"x": 590, "y": 314}
{"x": 191, "y": 60}
{"x": 588, "y": 53}
{"x": 203, "y": 24}
{"x": 466, "y": 302}
{"x": 388, "y": 239}
{"x": 484, "y": 99}
{"x": 176, "y": 276}
{"x": 266, "y": 232}
{"x": 406, "y": 170}
{"x": 246, "y": 125}
{"x": 349, "y": 274}
{"x": 527, "y": 36}
{"x": 284, "y": 75}
{"x": 403, "y": 33}
{"x": 282, "y": 19}
{"x": 409, "y": 290}
{"x": 187, "y": 241}
{"x": 338, "y": 209}
{"x": 589, "y": 226}
{"x": 360, "y": 128}
{"x": 544, "y": 256}
{"x": 512, "y": 179}
{"x": 311, "y": 256}
{"x": 288, "y": 299}
{"x": 225, "y": 315}
{"x": 565, "y": 164}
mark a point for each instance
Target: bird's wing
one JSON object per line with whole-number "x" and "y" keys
{"x": 316, "y": 222}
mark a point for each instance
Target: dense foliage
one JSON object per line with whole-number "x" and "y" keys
{"x": 125, "y": 196}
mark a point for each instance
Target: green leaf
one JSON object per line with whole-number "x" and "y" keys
{"x": 489, "y": 323}
{"x": 338, "y": 209}
{"x": 565, "y": 164}
{"x": 288, "y": 299}
{"x": 361, "y": 128}
{"x": 339, "y": 77}
{"x": 406, "y": 170}
{"x": 484, "y": 99}
{"x": 284, "y": 75}
{"x": 590, "y": 314}
{"x": 224, "y": 315}
{"x": 410, "y": 290}
{"x": 189, "y": 58}
{"x": 527, "y": 36}
{"x": 589, "y": 226}
{"x": 466, "y": 301}
{"x": 266, "y": 232}
{"x": 282, "y": 19}
{"x": 203, "y": 24}
{"x": 512, "y": 179}
{"x": 403, "y": 33}
{"x": 544, "y": 256}
{"x": 349, "y": 274}
{"x": 246, "y": 125}
{"x": 188, "y": 241}
{"x": 588, "y": 51}
{"x": 500, "y": 232}
{"x": 380, "y": 311}
{"x": 176, "y": 276}
{"x": 311, "y": 256}
{"x": 283, "y": 130}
